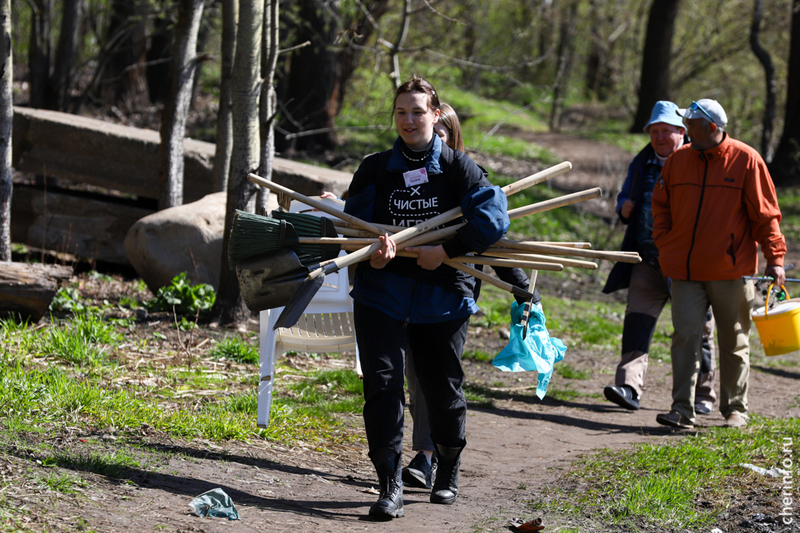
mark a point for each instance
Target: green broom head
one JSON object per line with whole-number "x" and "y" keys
{"x": 255, "y": 234}
{"x": 311, "y": 226}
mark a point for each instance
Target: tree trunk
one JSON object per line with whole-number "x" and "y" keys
{"x": 39, "y": 47}
{"x": 565, "y": 52}
{"x": 173, "y": 121}
{"x": 224, "y": 138}
{"x": 65, "y": 54}
{"x": 158, "y": 56}
{"x": 769, "y": 77}
{"x": 348, "y": 57}
{"x": 311, "y": 77}
{"x": 394, "y": 52}
{"x": 125, "y": 79}
{"x": 785, "y": 167}
{"x": 656, "y": 58}
{"x": 6, "y": 123}
{"x": 246, "y": 86}
{"x": 269, "y": 58}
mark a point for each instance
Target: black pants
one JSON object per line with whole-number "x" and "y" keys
{"x": 436, "y": 349}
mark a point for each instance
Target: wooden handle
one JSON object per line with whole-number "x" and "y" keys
{"x": 548, "y": 249}
{"x": 438, "y": 220}
{"x": 322, "y": 206}
{"x": 539, "y": 177}
{"x": 561, "y": 201}
{"x": 526, "y": 311}
{"x": 495, "y": 261}
{"x": 510, "y": 253}
{"x": 513, "y": 289}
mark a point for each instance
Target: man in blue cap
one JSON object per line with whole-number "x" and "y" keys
{"x": 648, "y": 288}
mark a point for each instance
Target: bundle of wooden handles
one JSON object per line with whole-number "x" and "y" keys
{"x": 536, "y": 255}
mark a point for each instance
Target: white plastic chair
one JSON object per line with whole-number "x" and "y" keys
{"x": 326, "y": 326}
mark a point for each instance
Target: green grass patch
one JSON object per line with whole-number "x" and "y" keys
{"x": 684, "y": 486}
{"x": 480, "y": 396}
{"x": 113, "y": 463}
{"x": 234, "y": 349}
{"x": 569, "y": 372}
{"x": 616, "y": 134}
{"x": 789, "y": 200}
{"x": 478, "y": 355}
{"x": 586, "y": 323}
{"x": 325, "y": 392}
{"x": 61, "y": 482}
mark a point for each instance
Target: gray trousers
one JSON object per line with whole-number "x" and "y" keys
{"x": 648, "y": 293}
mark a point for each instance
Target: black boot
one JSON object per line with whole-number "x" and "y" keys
{"x": 445, "y": 488}
{"x": 390, "y": 501}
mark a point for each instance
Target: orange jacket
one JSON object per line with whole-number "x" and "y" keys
{"x": 711, "y": 209}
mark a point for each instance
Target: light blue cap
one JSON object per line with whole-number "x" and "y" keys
{"x": 666, "y": 112}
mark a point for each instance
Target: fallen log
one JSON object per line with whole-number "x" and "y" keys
{"x": 26, "y": 289}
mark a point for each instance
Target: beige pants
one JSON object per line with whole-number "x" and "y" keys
{"x": 648, "y": 293}
{"x": 731, "y": 301}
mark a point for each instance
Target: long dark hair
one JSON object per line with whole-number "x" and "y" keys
{"x": 417, "y": 85}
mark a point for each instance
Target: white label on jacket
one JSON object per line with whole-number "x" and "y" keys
{"x": 416, "y": 177}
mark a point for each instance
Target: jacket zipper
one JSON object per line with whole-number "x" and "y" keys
{"x": 697, "y": 218}
{"x": 731, "y": 249}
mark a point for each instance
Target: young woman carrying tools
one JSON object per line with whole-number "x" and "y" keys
{"x": 420, "y": 305}
{"x": 422, "y": 468}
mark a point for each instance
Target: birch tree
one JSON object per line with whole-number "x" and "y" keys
{"x": 6, "y": 123}
{"x": 245, "y": 87}
{"x": 173, "y": 121}
{"x": 224, "y": 138}
{"x": 269, "y": 102}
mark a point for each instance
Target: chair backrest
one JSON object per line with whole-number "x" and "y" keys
{"x": 326, "y": 326}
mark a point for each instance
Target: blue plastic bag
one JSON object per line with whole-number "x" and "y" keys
{"x": 214, "y": 502}
{"x": 537, "y": 351}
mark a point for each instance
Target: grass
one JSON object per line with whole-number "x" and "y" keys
{"x": 681, "y": 486}
{"x": 586, "y": 323}
{"x": 238, "y": 350}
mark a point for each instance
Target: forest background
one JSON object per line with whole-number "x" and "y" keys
{"x": 318, "y": 75}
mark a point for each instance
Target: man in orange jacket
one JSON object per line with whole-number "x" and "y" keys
{"x": 713, "y": 204}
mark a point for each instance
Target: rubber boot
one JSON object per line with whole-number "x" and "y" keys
{"x": 390, "y": 500}
{"x": 445, "y": 488}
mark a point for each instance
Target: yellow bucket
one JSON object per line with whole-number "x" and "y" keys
{"x": 779, "y": 327}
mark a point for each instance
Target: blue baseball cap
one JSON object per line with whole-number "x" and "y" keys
{"x": 666, "y": 112}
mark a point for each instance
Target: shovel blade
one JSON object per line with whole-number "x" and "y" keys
{"x": 299, "y": 301}
{"x": 270, "y": 280}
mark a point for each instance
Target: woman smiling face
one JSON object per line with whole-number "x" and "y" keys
{"x": 414, "y": 119}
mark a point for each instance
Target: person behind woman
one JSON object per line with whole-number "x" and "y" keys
{"x": 422, "y": 468}
{"x": 418, "y": 304}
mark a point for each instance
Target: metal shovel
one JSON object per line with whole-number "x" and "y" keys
{"x": 271, "y": 279}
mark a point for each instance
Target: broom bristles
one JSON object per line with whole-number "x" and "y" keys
{"x": 255, "y": 234}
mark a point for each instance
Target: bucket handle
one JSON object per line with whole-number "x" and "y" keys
{"x": 766, "y": 300}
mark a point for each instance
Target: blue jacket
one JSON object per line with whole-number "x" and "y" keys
{"x": 379, "y": 194}
{"x": 620, "y": 276}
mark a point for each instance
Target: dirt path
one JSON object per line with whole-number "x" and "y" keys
{"x": 594, "y": 164}
{"x": 515, "y": 447}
